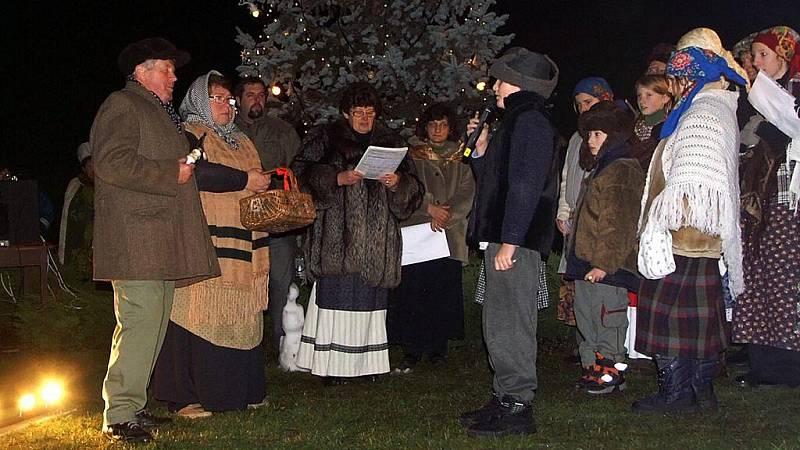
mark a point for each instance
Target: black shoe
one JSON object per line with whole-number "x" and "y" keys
{"x": 407, "y": 364}
{"x": 659, "y": 403}
{"x": 437, "y": 360}
{"x": 514, "y": 418}
{"x": 482, "y": 414}
{"x": 749, "y": 381}
{"x": 675, "y": 395}
{"x": 148, "y": 421}
{"x": 127, "y": 432}
{"x": 335, "y": 381}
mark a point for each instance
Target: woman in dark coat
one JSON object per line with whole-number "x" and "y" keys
{"x": 428, "y": 306}
{"x": 353, "y": 249}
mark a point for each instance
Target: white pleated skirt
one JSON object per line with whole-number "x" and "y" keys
{"x": 339, "y": 343}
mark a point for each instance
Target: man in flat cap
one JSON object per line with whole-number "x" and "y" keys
{"x": 513, "y": 217}
{"x": 150, "y": 232}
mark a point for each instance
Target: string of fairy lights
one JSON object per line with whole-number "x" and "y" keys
{"x": 322, "y": 60}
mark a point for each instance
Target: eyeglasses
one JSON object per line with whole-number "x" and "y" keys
{"x": 358, "y": 114}
{"x": 221, "y": 99}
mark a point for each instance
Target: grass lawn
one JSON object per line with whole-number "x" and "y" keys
{"x": 418, "y": 410}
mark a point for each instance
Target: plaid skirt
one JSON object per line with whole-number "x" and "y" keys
{"x": 683, "y": 314}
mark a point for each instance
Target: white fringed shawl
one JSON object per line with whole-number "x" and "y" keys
{"x": 701, "y": 171}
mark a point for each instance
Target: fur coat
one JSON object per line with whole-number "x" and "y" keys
{"x": 357, "y": 229}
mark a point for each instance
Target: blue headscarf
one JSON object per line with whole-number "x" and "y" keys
{"x": 700, "y": 67}
{"x": 594, "y": 86}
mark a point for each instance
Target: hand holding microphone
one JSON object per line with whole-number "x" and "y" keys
{"x": 478, "y": 131}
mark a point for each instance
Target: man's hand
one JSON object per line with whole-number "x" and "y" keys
{"x": 595, "y": 275}
{"x": 440, "y": 216}
{"x": 185, "y": 171}
{"x": 348, "y": 177}
{"x": 483, "y": 139}
{"x": 504, "y": 259}
{"x": 257, "y": 181}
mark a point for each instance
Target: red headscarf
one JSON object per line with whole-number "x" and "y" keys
{"x": 783, "y": 41}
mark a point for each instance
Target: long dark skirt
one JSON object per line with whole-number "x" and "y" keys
{"x": 768, "y": 311}
{"x": 683, "y": 314}
{"x": 192, "y": 370}
{"x": 427, "y": 308}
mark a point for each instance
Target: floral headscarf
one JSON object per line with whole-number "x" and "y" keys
{"x": 699, "y": 66}
{"x": 594, "y": 86}
{"x": 195, "y": 108}
{"x": 783, "y": 41}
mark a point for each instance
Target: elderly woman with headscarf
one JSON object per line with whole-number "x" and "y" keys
{"x": 767, "y": 315}
{"x": 689, "y": 221}
{"x": 212, "y": 358}
{"x": 353, "y": 249}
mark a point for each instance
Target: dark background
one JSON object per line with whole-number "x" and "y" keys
{"x": 60, "y": 57}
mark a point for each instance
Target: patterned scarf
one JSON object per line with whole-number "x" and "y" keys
{"x": 783, "y": 41}
{"x": 594, "y": 86}
{"x": 196, "y": 108}
{"x": 176, "y": 119}
{"x": 700, "y": 67}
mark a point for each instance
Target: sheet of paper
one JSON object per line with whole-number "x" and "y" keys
{"x": 421, "y": 244}
{"x": 776, "y": 104}
{"x": 379, "y": 161}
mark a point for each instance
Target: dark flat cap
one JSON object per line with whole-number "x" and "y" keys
{"x": 150, "y": 48}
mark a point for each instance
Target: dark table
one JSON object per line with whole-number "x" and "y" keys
{"x": 28, "y": 255}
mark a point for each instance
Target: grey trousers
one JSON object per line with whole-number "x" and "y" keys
{"x": 281, "y": 272}
{"x": 142, "y": 309}
{"x": 509, "y": 323}
{"x": 601, "y": 313}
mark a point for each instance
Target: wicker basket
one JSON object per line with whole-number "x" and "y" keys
{"x": 278, "y": 210}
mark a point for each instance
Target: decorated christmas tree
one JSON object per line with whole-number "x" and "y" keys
{"x": 413, "y": 51}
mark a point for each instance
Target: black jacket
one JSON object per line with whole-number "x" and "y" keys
{"x": 518, "y": 178}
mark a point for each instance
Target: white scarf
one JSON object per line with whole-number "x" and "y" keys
{"x": 701, "y": 166}
{"x": 793, "y": 154}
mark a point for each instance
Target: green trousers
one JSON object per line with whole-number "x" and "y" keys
{"x": 601, "y": 313}
{"x": 142, "y": 310}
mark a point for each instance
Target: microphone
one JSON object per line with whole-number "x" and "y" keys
{"x": 486, "y": 116}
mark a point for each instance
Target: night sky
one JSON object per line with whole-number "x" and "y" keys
{"x": 60, "y": 61}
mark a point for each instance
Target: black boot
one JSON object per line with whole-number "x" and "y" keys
{"x": 675, "y": 395}
{"x": 514, "y": 418}
{"x": 482, "y": 414}
{"x": 703, "y": 384}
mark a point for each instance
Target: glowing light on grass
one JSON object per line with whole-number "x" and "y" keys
{"x": 51, "y": 392}
{"x": 26, "y": 403}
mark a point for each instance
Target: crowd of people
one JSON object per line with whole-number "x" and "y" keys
{"x": 684, "y": 206}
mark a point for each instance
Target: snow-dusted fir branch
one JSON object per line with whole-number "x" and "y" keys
{"x": 413, "y": 51}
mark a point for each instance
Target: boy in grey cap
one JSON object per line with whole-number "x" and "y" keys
{"x": 513, "y": 218}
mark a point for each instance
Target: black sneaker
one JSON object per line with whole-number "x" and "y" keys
{"x": 482, "y": 414}
{"x": 407, "y": 364}
{"x": 127, "y": 432}
{"x": 148, "y": 421}
{"x": 514, "y": 418}
{"x": 437, "y": 360}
